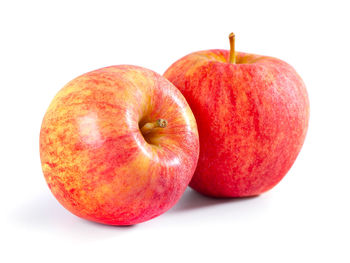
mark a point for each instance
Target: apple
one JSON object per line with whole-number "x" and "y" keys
{"x": 252, "y": 114}
{"x": 118, "y": 145}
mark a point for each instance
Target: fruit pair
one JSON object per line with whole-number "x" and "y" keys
{"x": 119, "y": 145}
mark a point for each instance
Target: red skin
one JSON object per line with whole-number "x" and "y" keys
{"x": 95, "y": 159}
{"x": 252, "y": 119}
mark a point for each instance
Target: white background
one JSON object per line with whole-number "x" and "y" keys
{"x": 45, "y": 44}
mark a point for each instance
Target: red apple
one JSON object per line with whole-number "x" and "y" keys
{"x": 118, "y": 145}
{"x": 252, "y": 114}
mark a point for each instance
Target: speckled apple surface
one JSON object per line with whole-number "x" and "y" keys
{"x": 252, "y": 119}
{"x": 95, "y": 160}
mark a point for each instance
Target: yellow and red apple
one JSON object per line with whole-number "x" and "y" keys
{"x": 252, "y": 114}
{"x": 118, "y": 145}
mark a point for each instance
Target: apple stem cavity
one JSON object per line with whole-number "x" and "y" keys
{"x": 149, "y": 126}
{"x": 232, "y": 59}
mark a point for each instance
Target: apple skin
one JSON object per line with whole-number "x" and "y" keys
{"x": 95, "y": 160}
{"x": 252, "y": 119}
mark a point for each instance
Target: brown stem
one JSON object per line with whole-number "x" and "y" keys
{"x": 232, "y": 59}
{"x": 149, "y": 126}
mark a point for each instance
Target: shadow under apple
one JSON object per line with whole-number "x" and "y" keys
{"x": 45, "y": 214}
{"x": 194, "y": 200}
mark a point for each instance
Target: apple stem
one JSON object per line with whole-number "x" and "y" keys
{"x": 232, "y": 59}
{"x": 149, "y": 126}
